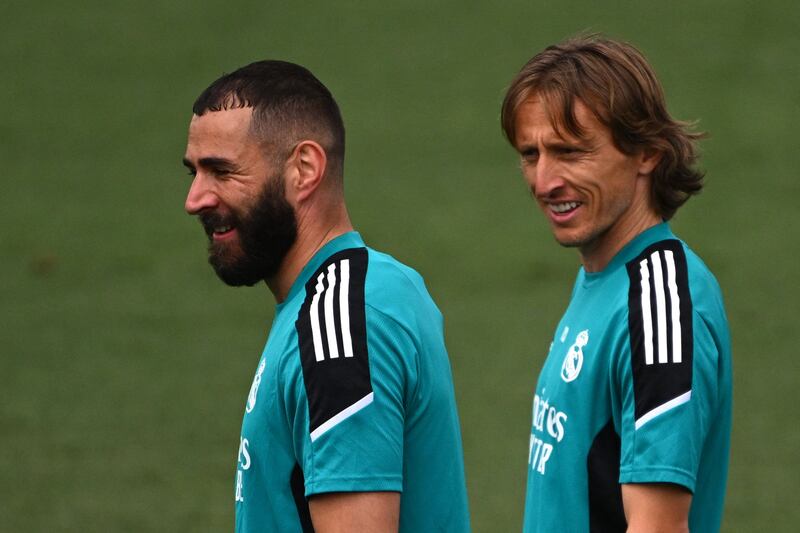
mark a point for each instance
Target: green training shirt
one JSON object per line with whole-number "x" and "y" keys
{"x": 636, "y": 388}
{"x": 353, "y": 393}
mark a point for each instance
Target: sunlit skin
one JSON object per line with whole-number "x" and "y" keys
{"x": 230, "y": 167}
{"x": 345, "y": 512}
{"x": 656, "y": 507}
{"x": 595, "y": 197}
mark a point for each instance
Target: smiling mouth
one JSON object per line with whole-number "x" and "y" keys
{"x": 219, "y": 230}
{"x": 216, "y": 231}
{"x": 563, "y": 207}
{"x": 217, "y": 225}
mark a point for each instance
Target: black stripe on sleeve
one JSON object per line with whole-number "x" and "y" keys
{"x": 606, "y": 514}
{"x": 334, "y": 383}
{"x": 298, "y": 486}
{"x": 658, "y": 306}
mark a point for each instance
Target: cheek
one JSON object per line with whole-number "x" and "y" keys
{"x": 529, "y": 175}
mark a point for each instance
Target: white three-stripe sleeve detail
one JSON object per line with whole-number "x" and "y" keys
{"x": 313, "y": 314}
{"x": 647, "y": 319}
{"x": 330, "y": 320}
{"x": 344, "y": 307}
{"x": 663, "y": 408}
{"x": 675, "y": 301}
{"x": 342, "y": 416}
{"x": 661, "y": 307}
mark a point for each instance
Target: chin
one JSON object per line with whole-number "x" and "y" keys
{"x": 571, "y": 240}
{"x": 237, "y": 275}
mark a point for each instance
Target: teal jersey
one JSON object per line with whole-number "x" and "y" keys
{"x": 353, "y": 393}
{"x": 636, "y": 388}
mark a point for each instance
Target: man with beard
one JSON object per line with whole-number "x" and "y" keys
{"x": 351, "y": 422}
{"x": 632, "y": 410}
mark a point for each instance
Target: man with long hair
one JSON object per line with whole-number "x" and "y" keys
{"x": 632, "y": 410}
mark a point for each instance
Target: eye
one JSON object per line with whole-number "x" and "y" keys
{"x": 192, "y": 172}
{"x": 565, "y": 151}
{"x": 570, "y": 152}
{"x": 529, "y": 156}
{"x": 219, "y": 173}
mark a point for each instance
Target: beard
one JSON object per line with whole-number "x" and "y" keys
{"x": 265, "y": 234}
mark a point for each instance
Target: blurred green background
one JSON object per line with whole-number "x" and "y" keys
{"x": 125, "y": 363}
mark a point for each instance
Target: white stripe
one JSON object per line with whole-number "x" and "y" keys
{"x": 675, "y": 300}
{"x": 314, "y": 315}
{"x": 661, "y": 409}
{"x": 661, "y": 308}
{"x": 647, "y": 319}
{"x": 344, "y": 308}
{"x": 342, "y": 416}
{"x": 330, "y": 321}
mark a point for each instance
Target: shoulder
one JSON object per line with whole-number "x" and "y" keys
{"x": 672, "y": 298}
{"x": 377, "y": 279}
{"x": 672, "y": 264}
{"x": 352, "y": 290}
{"x": 331, "y": 338}
{"x": 671, "y": 269}
{"x": 331, "y": 315}
{"x": 395, "y": 289}
{"x": 705, "y": 289}
{"x": 389, "y": 276}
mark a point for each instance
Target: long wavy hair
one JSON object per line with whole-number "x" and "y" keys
{"x": 616, "y": 83}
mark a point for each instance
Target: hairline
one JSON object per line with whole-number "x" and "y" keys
{"x": 281, "y": 145}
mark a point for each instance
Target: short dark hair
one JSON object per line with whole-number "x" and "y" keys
{"x": 289, "y": 105}
{"x": 615, "y": 81}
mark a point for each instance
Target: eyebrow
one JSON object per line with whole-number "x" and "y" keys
{"x": 581, "y": 145}
{"x": 211, "y": 162}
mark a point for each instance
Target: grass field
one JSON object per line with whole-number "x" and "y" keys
{"x": 124, "y": 363}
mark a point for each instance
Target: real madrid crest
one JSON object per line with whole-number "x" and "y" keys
{"x": 573, "y": 361}
{"x": 251, "y": 398}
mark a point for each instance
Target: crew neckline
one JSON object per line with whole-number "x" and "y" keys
{"x": 351, "y": 239}
{"x": 656, "y": 233}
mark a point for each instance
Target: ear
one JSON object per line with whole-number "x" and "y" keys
{"x": 305, "y": 169}
{"x": 649, "y": 160}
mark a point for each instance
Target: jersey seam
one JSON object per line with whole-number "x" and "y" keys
{"x": 389, "y": 477}
{"x": 671, "y": 471}
{"x": 322, "y": 484}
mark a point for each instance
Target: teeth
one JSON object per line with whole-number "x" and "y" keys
{"x": 222, "y": 229}
{"x": 564, "y": 207}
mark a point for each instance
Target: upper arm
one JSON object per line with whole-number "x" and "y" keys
{"x": 656, "y": 507}
{"x": 345, "y": 512}
{"x": 346, "y": 407}
{"x": 668, "y": 377}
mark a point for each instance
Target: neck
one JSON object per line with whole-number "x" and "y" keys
{"x": 311, "y": 237}
{"x": 598, "y": 253}
{"x": 596, "y": 258}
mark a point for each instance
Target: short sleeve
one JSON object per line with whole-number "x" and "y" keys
{"x": 347, "y": 400}
{"x": 668, "y": 377}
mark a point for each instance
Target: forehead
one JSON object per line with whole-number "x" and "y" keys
{"x": 220, "y": 133}
{"x": 534, "y": 119}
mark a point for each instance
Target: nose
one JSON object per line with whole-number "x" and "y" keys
{"x": 544, "y": 178}
{"x": 201, "y": 196}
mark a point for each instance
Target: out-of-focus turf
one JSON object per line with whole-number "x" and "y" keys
{"x": 124, "y": 363}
